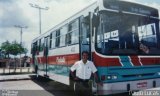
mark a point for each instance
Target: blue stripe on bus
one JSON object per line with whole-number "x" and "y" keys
{"x": 125, "y": 60}
{"x": 56, "y": 69}
{"x": 123, "y": 73}
{"x": 129, "y": 74}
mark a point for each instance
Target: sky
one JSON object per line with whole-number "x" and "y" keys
{"x": 19, "y": 12}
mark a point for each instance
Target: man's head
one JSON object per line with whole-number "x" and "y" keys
{"x": 85, "y": 56}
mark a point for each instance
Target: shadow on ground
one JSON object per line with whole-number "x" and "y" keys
{"x": 59, "y": 89}
{"x": 53, "y": 87}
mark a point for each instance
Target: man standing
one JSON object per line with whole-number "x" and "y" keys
{"x": 84, "y": 69}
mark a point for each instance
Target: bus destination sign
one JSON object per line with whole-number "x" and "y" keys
{"x": 130, "y": 7}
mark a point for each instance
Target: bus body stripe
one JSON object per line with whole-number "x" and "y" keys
{"x": 150, "y": 61}
{"x": 60, "y": 59}
{"x": 125, "y": 60}
{"x": 105, "y": 62}
{"x": 135, "y": 60}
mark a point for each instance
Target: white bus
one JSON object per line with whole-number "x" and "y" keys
{"x": 121, "y": 37}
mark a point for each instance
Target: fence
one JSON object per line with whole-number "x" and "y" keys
{"x": 17, "y": 70}
{"x": 13, "y": 66}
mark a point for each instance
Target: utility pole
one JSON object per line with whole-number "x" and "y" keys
{"x": 21, "y": 32}
{"x": 39, "y": 8}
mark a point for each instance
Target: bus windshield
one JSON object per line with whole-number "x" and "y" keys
{"x": 125, "y": 34}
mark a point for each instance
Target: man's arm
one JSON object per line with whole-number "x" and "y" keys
{"x": 97, "y": 79}
{"x": 73, "y": 71}
{"x": 72, "y": 74}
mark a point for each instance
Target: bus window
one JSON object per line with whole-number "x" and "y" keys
{"x": 53, "y": 39}
{"x": 39, "y": 47}
{"x": 147, "y": 33}
{"x": 57, "y": 38}
{"x": 50, "y": 43}
{"x": 73, "y": 32}
{"x": 75, "y": 37}
{"x": 41, "y": 44}
{"x": 63, "y": 32}
{"x": 35, "y": 48}
{"x": 115, "y": 36}
{"x": 147, "y": 36}
{"x": 32, "y": 48}
{"x": 85, "y": 30}
{"x": 69, "y": 38}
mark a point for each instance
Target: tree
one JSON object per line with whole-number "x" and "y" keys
{"x": 25, "y": 51}
{"x": 13, "y": 48}
{"x": 5, "y": 47}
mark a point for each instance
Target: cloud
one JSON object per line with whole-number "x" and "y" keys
{"x": 19, "y": 12}
{"x": 8, "y": 34}
{"x": 59, "y": 10}
{"x": 6, "y": 1}
{"x": 12, "y": 14}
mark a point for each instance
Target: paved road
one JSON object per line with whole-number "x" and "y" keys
{"x": 34, "y": 87}
{"x": 41, "y": 87}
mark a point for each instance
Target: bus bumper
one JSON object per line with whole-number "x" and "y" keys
{"x": 129, "y": 86}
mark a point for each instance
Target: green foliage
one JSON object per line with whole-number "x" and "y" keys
{"x": 13, "y": 48}
{"x": 5, "y": 47}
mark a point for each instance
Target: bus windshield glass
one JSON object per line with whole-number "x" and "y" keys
{"x": 125, "y": 34}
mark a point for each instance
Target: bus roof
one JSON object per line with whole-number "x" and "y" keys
{"x": 91, "y": 8}
{"x": 132, "y": 7}
{"x": 84, "y": 12}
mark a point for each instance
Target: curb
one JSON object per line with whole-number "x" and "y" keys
{"x": 16, "y": 77}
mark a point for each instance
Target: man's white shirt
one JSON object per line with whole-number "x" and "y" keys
{"x": 84, "y": 71}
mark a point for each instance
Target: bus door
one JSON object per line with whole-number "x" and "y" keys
{"x": 86, "y": 39}
{"x": 34, "y": 53}
{"x": 85, "y": 35}
{"x": 45, "y": 54}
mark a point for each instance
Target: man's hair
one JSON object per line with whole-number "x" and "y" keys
{"x": 85, "y": 52}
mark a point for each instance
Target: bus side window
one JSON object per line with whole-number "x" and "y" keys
{"x": 32, "y": 48}
{"x": 57, "y": 38}
{"x": 53, "y": 40}
{"x": 35, "y": 48}
{"x": 85, "y": 30}
{"x": 95, "y": 20}
{"x": 73, "y": 32}
{"x": 50, "y": 43}
{"x": 63, "y": 32}
{"x": 68, "y": 41}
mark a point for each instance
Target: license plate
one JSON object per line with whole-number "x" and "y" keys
{"x": 142, "y": 85}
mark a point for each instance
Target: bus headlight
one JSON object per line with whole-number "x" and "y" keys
{"x": 109, "y": 77}
{"x": 158, "y": 73}
{"x": 114, "y": 77}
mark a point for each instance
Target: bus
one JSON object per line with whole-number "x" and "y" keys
{"x": 123, "y": 39}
